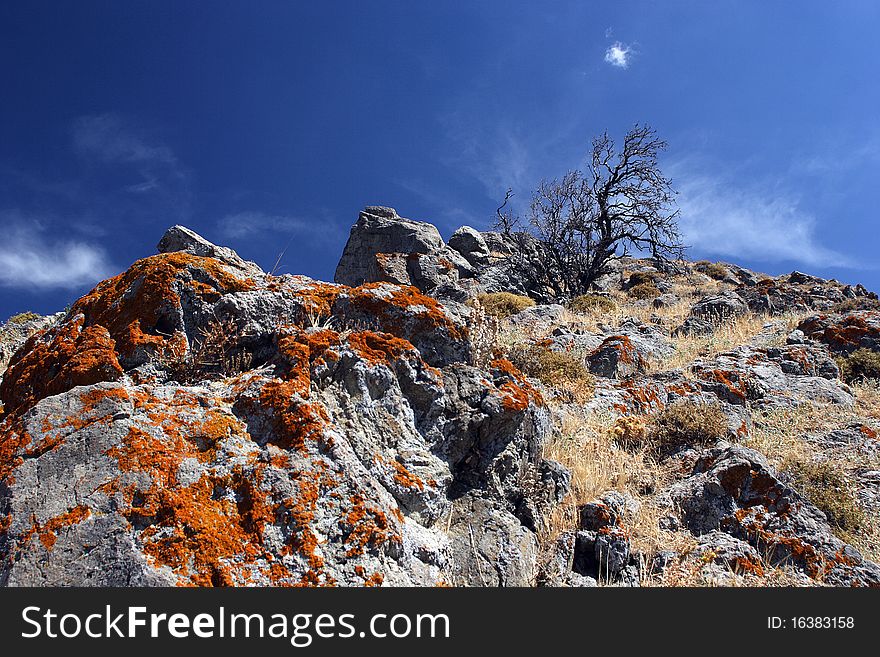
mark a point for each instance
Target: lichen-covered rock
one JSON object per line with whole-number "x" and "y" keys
{"x": 798, "y": 293}
{"x": 844, "y": 333}
{"x": 15, "y": 332}
{"x": 194, "y": 421}
{"x": 734, "y": 490}
{"x": 776, "y": 376}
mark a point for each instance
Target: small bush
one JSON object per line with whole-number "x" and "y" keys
{"x": 644, "y": 291}
{"x": 849, "y": 305}
{"x": 589, "y": 303}
{"x": 824, "y": 484}
{"x": 23, "y": 318}
{"x": 640, "y": 277}
{"x": 629, "y": 431}
{"x": 859, "y": 365}
{"x": 687, "y": 423}
{"x": 552, "y": 368}
{"x": 504, "y": 304}
{"x": 715, "y": 270}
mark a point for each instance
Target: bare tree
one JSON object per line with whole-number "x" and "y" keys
{"x": 622, "y": 205}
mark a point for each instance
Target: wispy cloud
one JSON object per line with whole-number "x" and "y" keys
{"x": 155, "y": 174}
{"x": 254, "y": 223}
{"x": 619, "y": 54}
{"x": 497, "y": 155}
{"x": 112, "y": 140}
{"x": 29, "y": 259}
{"x": 766, "y": 225}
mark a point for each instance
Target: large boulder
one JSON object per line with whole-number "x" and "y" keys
{"x": 194, "y": 421}
{"x": 384, "y": 247}
{"x": 734, "y": 490}
{"x": 712, "y": 311}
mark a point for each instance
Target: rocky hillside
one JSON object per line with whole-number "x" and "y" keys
{"x": 423, "y": 421}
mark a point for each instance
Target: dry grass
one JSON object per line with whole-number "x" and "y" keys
{"x": 686, "y": 423}
{"x": 732, "y": 333}
{"x": 23, "y": 318}
{"x": 860, "y": 365}
{"x": 867, "y": 398}
{"x": 644, "y": 291}
{"x": 588, "y": 447}
{"x": 779, "y": 435}
{"x": 563, "y": 372}
{"x": 825, "y": 484}
{"x": 587, "y": 304}
{"x": 504, "y": 304}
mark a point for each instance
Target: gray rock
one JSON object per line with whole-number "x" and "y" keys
{"x": 383, "y": 246}
{"x": 181, "y": 238}
{"x": 326, "y": 457}
{"x": 734, "y": 490}
{"x": 471, "y": 244}
{"x": 711, "y": 311}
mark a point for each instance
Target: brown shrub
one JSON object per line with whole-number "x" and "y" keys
{"x": 590, "y": 303}
{"x": 860, "y": 365}
{"x": 552, "y": 368}
{"x": 860, "y": 303}
{"x": 504, "y": 304}
{"x": 715, "y": 270}
{"x": 687, "y": 423}
{"x": 644, "y": 291}
{"x": 629, "y": 431}
{"x": 23, "y": 318}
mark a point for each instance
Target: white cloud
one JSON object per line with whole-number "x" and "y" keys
{"x": 251, "y": 223}
{"x": 765, "y": 225}
{"x": 29, "y": 260}
{"x": 618, "y": 54}
{"x": 110, "y": 139}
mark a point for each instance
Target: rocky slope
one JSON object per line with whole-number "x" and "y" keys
{"x": 196, "y": 421}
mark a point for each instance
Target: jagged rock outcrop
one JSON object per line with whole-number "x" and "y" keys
{"x": 15, "y": 332}
{"x": 734, "y": 490}
{"x": 196, "y": 421}
{"x": 844, "y": 333}
{"x": 383, "y": 246}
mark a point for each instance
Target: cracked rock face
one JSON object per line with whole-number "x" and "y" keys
{"x": 194, "y": 421}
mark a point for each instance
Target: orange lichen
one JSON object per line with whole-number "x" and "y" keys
{"x": 518, "y": 393}
{"x": 378, "y": 348}
{"x": 364, "y": 527}
{"x": 74, "y": 355}
{"x": 134, "y": 311}
{"x": 48, "y": 532}
{"x": 384, "y": 302}
{"x": 730, "y": 380}
{"x": 375, "y": 579}
{"x": 406, "y": 478}
{"x": 295, "y": 420}
{"x": 133, "y": 305}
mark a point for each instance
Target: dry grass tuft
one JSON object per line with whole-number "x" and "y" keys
{"x": 687, "y": 423}
{"x": 23, "y": 318}
{"x": 647, "y": 290}
{"x": 824, "y": 483}
{"x": 860, "y": 365}
{"x": 504, "y": 304}
{"x": 554, "y": 369}
{"x": 586, "y": 304}
{"x": 731, "y": 333}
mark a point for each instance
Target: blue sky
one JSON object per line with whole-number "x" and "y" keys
{"x": 270, "y": 128}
